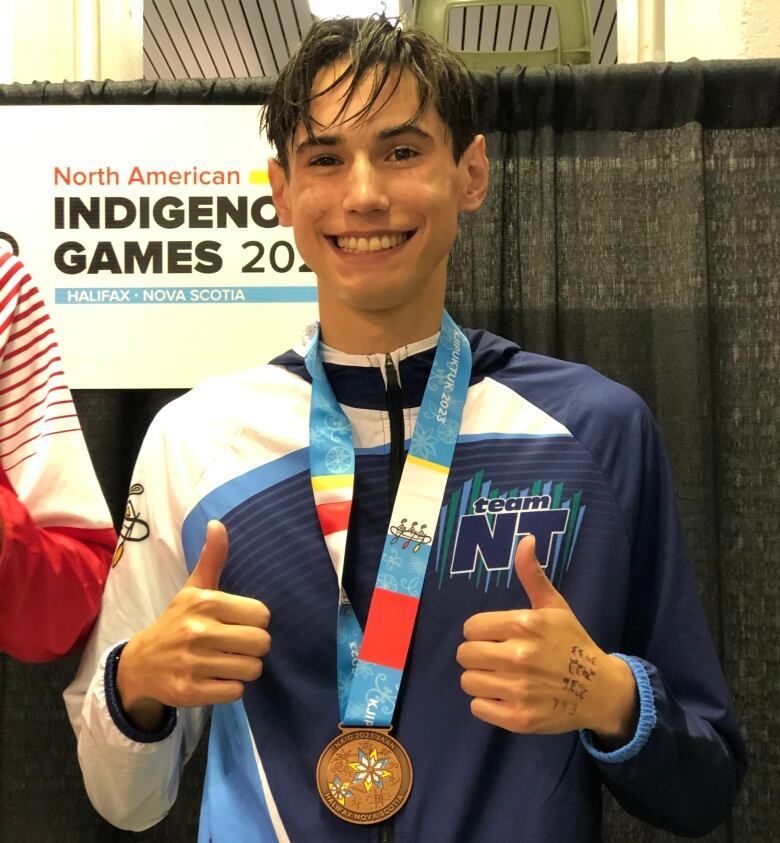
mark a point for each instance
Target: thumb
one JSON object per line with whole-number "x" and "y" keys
{"x": 209, "y": 567}
{"x": 541, "y": 592}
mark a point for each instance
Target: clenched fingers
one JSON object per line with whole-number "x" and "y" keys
{"x": 228, "y": 608}
{"x": 230, "y": 666}
{"x": 508, "y": 656}
{"x": 486, "y": 683}
{"x": 242, "y": 640}
{"x": 499, "y": 626}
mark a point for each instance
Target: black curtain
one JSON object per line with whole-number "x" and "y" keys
{"x": 633, "y": 225}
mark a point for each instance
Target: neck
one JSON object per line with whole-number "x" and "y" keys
{"x": 377, "y": 331}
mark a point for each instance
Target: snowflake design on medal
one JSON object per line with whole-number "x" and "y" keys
{"x": 339, "y": 790}
{"x": 339, "y": 460}
{"x": 370, "y": 770}
{"x": 424, "y": 443}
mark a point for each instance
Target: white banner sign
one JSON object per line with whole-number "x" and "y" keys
{"x": 151, "y": 233}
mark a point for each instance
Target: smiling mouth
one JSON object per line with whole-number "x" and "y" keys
{"x": 376, "y": 243}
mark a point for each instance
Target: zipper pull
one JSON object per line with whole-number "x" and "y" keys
{"x": 392, "y": 374}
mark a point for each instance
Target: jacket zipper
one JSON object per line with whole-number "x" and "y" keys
{"x": 395, "y": 410}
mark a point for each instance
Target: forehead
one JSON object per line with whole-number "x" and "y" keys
{"x": 338, "y": 108}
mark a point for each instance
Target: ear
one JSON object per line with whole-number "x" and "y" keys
{"x": 475, "y": 167}
{"x": 279, "y": 188}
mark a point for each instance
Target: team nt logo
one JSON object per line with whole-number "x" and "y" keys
{"x": 489, "y": 535}
{"x": 481, "y": 524}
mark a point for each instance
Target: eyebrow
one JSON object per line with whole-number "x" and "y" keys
{"x": 408, "y": 128}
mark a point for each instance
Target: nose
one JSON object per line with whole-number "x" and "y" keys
{"x": 365, "y": 189}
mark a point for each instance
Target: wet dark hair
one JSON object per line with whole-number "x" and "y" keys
{"x": 380, "y": 44}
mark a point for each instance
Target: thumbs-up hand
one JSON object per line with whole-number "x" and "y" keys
{"x": 213, "y": 555}
{"x": 538, "y": 671}
{"x": 201, "y": 650}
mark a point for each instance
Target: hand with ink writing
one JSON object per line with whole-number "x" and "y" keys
{"x": 201, "y": 650}
{"x": 537, "y": 671}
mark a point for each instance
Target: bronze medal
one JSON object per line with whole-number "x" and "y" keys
{"x": 364, "y": 776}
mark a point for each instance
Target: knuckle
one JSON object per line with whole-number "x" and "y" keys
{"x": 193, "y": 630}
{"x": 518, "y": 693}
{"x": 180, "y": 689}
{"x": 520, "y": 622}
{"x": 206, "y": 600}
{"x": 518, "y": 657}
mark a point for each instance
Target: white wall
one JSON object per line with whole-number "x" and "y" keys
{"x": 55, "y": 40}
{"x": 676, "y": 30}
{"x": 761, "y": 29}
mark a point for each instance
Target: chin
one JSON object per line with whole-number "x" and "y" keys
{"x": 378, "y": 299}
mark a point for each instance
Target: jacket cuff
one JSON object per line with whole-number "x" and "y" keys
{"x": 645, "y": 724}
{"x": 117, "y": 712}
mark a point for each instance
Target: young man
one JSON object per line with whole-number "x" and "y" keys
{"x": 56, "y": 538}
{"x": 512, "y": 705}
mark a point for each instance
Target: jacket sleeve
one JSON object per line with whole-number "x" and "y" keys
{"x": 682, "y": 769}
{"x": 132, "y": 777}
{"x": 56, "y": 538}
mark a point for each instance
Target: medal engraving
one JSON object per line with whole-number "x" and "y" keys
{"x": 364, "y": 776}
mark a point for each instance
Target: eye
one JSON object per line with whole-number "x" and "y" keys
{"x": 324, "y": 161}
{"x": 403, "y": 153}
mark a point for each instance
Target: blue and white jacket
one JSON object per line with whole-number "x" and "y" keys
{"x": 559, "y": 435}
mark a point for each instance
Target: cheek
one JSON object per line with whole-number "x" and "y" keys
{"x": 309, "y": 207}
{"x": 312, "y": 201}
{"x": 436, "y": 201}
{"x": 440, "y": 208}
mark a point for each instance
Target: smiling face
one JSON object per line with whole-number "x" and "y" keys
{"x": 374, "y": 202}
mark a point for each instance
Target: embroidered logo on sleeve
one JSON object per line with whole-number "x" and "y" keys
{"x": 134, "y": 528}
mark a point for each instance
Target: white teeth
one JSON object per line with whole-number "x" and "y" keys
{"x": 370, "y": 244}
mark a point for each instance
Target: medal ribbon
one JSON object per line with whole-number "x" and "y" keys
{"x": 370, "y": 666}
